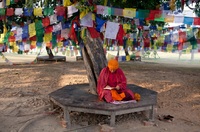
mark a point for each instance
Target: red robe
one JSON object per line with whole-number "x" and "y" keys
{"x": 112, "y": 79}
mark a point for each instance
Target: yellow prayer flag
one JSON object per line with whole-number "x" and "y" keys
{"x": 47, "y": 37}
{"x": 2, "y": 38}
{"x": 66, "y": 3}
{"x": 11, "y": 44}
{"x": 82, "y": 14}
{"x": 38, "y": 11}
{"x": 169, "y": 47}
{"x": 93, "y": 17}
{"x": 128, "y": 58}
{"x": 31, "y": 29}
{"x": 60, "y": 44}
{"x": 129, "y": 12}
{"x": 169, "y": 19}
{"x": 7, "y": 2}
{"x": 15, "y": 48}
{"x": 33, "y": 43}
{"x": 126, "y": 26}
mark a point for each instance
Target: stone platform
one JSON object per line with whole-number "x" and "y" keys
{"x": 55, "y": 58}
{"x": 77, "y": 98}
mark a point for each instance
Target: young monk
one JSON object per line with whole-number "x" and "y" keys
{"x": 112, "y": 83}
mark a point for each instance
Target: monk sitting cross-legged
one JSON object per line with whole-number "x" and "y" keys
{"x": 112, "y": 85}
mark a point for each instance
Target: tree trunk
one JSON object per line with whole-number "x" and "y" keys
{"x": 94, "y": 60}
{"x": 49, "y": 52}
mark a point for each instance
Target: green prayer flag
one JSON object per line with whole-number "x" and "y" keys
{"x": 143, "y": 13}
{"x": 39, "y": 38}
{"x": 160, "y": 19}
{"x": 2, "y": 11}
{"x": 48, "y": 11}
{"x": 38, "y": 25}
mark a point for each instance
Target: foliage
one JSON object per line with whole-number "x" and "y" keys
{"x": 139, "y": 4}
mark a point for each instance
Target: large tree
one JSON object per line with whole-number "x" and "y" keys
{"x": 92, "y": 51}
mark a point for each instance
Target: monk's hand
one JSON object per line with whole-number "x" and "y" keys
{"x": 117, "y": 87}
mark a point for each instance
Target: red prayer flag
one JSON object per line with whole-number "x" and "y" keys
{"x": 9, "y": 12}
{"x": 49, "y": 29}
{"x": 196, "y": 21}
{"x": 46, "y": 21}
{"x": 93, "y": 32}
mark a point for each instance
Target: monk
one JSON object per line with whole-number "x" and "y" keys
{"x": 112, "y": 85}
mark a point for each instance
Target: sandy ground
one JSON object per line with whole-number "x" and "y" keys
{"x": 24, "y": 104}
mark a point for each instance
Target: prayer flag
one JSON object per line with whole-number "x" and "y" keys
{"x": 87, "y": 20}
{"x": 47, "y": 37}
{"x": 60, "y": 10}
{"x": 38, "y": 11}
{"x": 38, "y": 25}
{"x": 57, "y": 27}
{"x": 32, "y": 31}
{"x": 53, "y": 19}
{"x": 112, "y": 29}
{"x": 188, "y": 20}
{"x": 196, "y": 21}
{"x": 49, "y": 29}
{"x": 2, "y": 11}
{"x": 46, "y": 21}
{"x": 143, "y": 14}
{"x": 18, "y": 11}
{"x": 48, "y": 11}
{"x": 169, "y": 18}
{"x": 178, "y": 19}
{"x": 116, "y": 11}
{"x": 9, "y": 12}
{"x": 67, "y": 3}
{"x": 28, "y": 11}
{"x": 64, "y": 33}
{"x": 99, "y": 23}
{"x": 129, "y": 12}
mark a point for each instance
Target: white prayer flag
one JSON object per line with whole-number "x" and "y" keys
{"x": 53, "y": 19}
{"x": 87, "y": 20}
{"x": 18, "y": 11}
{"x": 112, "y": 29}
{"x": 64, "y": 33}
{"x": 57, "y": 27}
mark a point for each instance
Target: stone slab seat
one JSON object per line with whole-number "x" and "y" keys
{"x": 77, "y": 98}
{"x": 55, "y": 58}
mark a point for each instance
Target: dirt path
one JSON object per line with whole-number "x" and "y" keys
{"x": 24, "y": 104}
